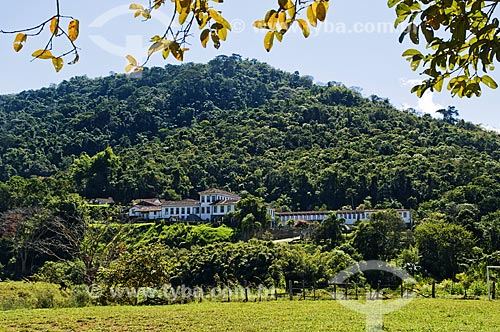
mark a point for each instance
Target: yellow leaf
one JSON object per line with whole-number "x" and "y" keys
{"x": 204, "y": 37}
{"x": 183, "y": 16}
{"x": 58, "y": 63}
{"x": 291, "y": 8}
{"x": 73, "y": 29}
{"x": 269, "y": 40}
{"x": 42, "y": 54}
{"x": 19, "y": 40}
{"x": 273, "y": 20}
{"x": 54, "y": 26}
{"x": 304, "y": 27}
{"x": 282, "y": 21}
{"x": 165, "y": 53}
{"x": 129, "y": 68}
{"x": 321, "y": 12}
{"x": 131, "y": 60}
{"x": 136, "y": 6}
{"x": 222, "y": 33}
{"x": 155, "y": 47}
{"x": 219, "y": 19}
{"x": 311, "y": 16}
{"x": 278, "y": 36}
{"x": 259, "y": 24}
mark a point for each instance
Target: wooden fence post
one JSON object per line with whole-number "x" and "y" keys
{"x": 290, "y": 290}
{"x": 246, "y": 291}
{"x": 433, "y": 289}
{"x": 335, "y": 291}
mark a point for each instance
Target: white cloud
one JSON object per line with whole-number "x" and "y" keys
{"x": 426, "y": 103}
{"x": 492, "y": 128}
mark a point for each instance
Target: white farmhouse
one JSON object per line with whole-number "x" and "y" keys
{"x": 213, "y": 204}
{"x": 350, "y": 216}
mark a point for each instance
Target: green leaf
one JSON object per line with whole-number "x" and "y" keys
{"x": 414, "y": 33}
{"x": 411, "y": 52}
{"x": 488, "y": 81}
{"x": 392, "y": 3}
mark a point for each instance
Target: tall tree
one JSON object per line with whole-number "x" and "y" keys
{"x": 449, "y": 114}
{"x": 382, "y": 237}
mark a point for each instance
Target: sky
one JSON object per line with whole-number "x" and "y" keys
{"x": 357, "y": 45}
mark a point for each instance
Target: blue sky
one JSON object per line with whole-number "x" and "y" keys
{"x": 355, "y": 46}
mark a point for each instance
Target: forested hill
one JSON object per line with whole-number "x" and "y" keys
{"x": 244, "y": 126}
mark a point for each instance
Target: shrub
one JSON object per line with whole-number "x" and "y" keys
{"x": 80, "y": 296}
{"x": 24, "y": 295}
{"x": 65, "y": 273}
{"x": 478, "y": 288}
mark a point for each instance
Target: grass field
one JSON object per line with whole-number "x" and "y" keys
{"x": 419, "y": 315}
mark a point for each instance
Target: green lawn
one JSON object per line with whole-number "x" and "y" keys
{"x": 300, "y": 316}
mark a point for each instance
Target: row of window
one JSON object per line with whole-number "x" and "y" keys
{"x": 357, "y": 216}
{"x": 196, "y": 210}
{"x": 177, "y": 211}
{"x": 210, "y": 199}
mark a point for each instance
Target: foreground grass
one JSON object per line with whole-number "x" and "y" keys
{"x": 309, "y": 316}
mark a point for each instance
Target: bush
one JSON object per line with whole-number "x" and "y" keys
{"x": 449, "y": 287}
{"x": 80, "y": 296}
{"x": 478, "y": 288}
{"x": 65, "y": 273}
{"x": 23, "y": 295}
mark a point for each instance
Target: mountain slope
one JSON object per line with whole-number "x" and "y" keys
{"x": 244, "y": 126}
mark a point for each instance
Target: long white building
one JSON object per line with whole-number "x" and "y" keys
{"x": 350, "y": 216}
{"x": 212, "y": 204}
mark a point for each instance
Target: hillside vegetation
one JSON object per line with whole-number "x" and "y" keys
{"x": 243, "y": 126}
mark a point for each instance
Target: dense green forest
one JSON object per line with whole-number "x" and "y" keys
{"x": 244, "y": 126}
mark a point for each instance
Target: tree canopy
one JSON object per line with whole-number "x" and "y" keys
{"x": 461, "y": 36}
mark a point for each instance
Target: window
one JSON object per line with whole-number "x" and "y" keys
{"x": 183, "y": 211}
{"x": 202, "y": 209}
{"x": 196, "y": 210}
{"x": 171, "y": 210}
{"x": 208, "y": 209}
{"x": 213, "y": 199}
{"x": 203, "y": 199}
{"x": 222, "y": 209}
{"x": 215, "y": 209}
{"x": 176, "y": 210}
{"x": 188, "y": 210}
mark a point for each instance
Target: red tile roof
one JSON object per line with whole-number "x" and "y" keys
{"x": 217, "y": 191}
{"x": 225, "y": 202}
{"x": 184, "y": 202}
